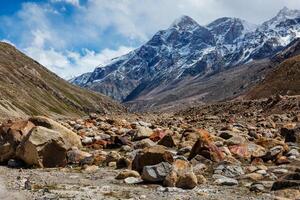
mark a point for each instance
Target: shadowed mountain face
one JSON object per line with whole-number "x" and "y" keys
{"x": 188, "y": 62}
{"x": 28, "y": 88}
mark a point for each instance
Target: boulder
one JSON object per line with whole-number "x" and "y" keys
{"x": 43, "y": 147}
{"x": 11, "y": 134}
{"x": 256, "y": 151}
{"x": 181, "y": 176}
{"x": 291, "y": 134}
{"x": 156, "y": 173}
{"x": 167, "y": 141}
{"x": 236, "y": 140}
{"x": 76, "y": 156}
{"x": 205, "y": 147}
{"x": 291, "y": 180}
{"x": 151, "y": 156}
{"x": 70, "y": 138}
{"x": 143, "y": 144}
{"x": 142, "y": 133}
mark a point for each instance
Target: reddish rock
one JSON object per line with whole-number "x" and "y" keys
{"x": 205, "y": 147}
{"x": 11, "y": 134}
{"x": 282, "y": 160}
{"x": 157, "y": 135}
{"x": 240, "y": 151}
{"x": 151, "y": 156}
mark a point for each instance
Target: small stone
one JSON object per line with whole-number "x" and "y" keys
{"x": 222, "y": 180}
{"x": 90, "y": 169}
{"x": 291, "y": 133}
{"x": 133, "y": 180}
{"x": 236, "y": 140}
{"x": 75, "y": 156}
{"x": 93, "y": 116}
{"x": 257, "y": 187}
{"x": 27, "y": 185}
{"x": 280, "y": 171}
{"x": 87, "y": 140}
{"x": 126, "y": 148}
{"x": 127, "y": 173}
{"x": 293, "y": 152}
{"x": 201, "y": 179}
{"x": 229, "y": 170}
{"x": 254, "y": 176}
{"x": 112, "y": 164}
{"x": 184, "y": 150}
{"x": 282, "y": 160}
{"x": 226, "y": 134}
{"x": 123, "y": 163}
{"x": 15, "y": 163}
{"x": 262, "y": 172}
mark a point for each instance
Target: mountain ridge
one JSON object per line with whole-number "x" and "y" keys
{"x": 188, "y": 51}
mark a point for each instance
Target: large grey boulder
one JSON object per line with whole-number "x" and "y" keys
{"x": 156, "y": 173}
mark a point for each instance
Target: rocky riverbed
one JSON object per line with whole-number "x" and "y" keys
{"x": 204, "y": 154}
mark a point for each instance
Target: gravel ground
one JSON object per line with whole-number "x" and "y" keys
{"x": 73, "y": 184}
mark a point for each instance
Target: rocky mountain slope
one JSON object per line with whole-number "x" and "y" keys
{"x": 28, "y": 88}
{"x": 184, "y": 61}
{"x": 284, "y": 78}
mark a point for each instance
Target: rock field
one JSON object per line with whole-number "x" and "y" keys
{"x": 242, "y": 151}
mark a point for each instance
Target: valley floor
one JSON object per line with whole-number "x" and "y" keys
{"x": 73, "y": 184}
{"x": 233, "y": 150}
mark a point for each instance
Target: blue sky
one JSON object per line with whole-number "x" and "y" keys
{"x": 71, "y": 37}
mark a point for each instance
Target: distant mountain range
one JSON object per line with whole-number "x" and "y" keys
{"x": 28, "y": 88}
{"x": 192, "y": 63}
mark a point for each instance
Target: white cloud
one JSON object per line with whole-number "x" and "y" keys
{"x": 72, "y": 2}
{"x": 70, "y": 64}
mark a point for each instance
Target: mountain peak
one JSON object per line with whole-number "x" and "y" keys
{"x": 288, "y": 13}
{"x": 184, "y": 22}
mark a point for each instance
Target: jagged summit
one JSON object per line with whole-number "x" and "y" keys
{"x": 184, "y": 22}
{"x": 227, "y": 29}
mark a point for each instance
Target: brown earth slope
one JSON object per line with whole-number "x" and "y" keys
{"x": 28, "y": 88}
{"x": 284, "y": 80}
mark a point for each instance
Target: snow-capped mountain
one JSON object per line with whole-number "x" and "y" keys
{"x": 187, "y": 50}
{"x": 81, "y": 80}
